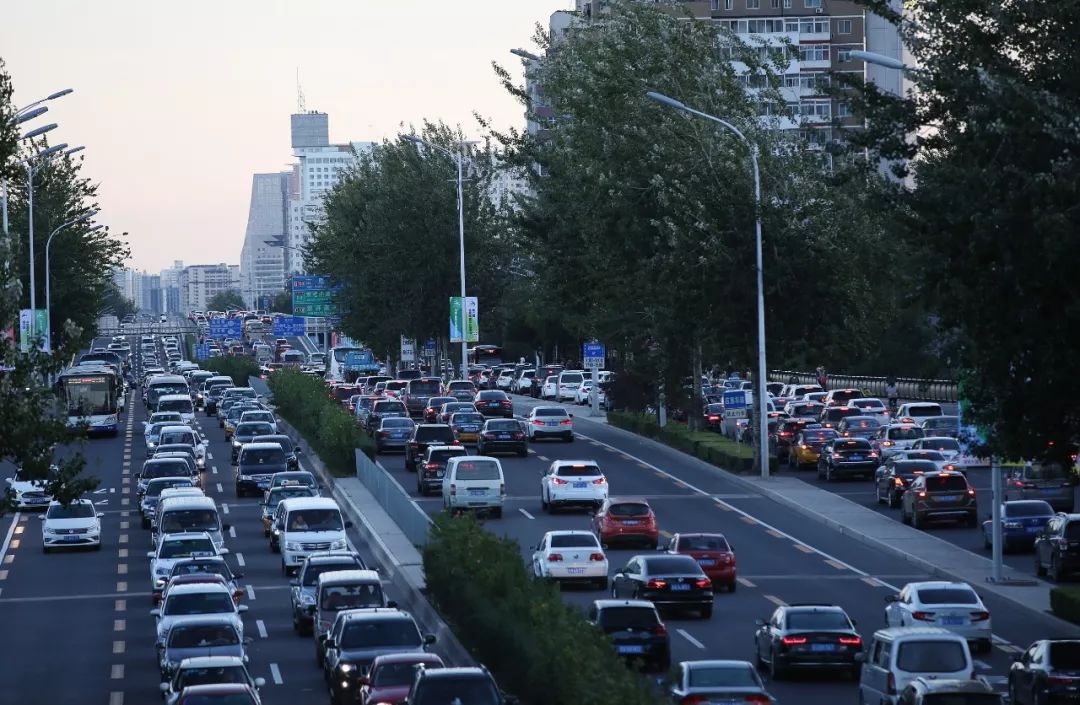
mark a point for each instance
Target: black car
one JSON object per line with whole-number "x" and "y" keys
{"x": 635, "y": 629}
{"x": 434, "y": 405}
{"x": 807, "y": 636}
{"x": 786, "y": 432}
{"x": 847, "y": 457}
{"x": 896, "y": 475}
{"x": 358, "y": 636}
{"x": 1057, "y": 547}
{"x": 859, "y": 427}
{"x": 542, "y": 373}
{"x": 1047, "y": 672}
{"x": 831, "y": 416}
{"x": 674, "y": 581}
{"x": 302, "y": 587}
{"x": 494, "y": 402}
{"x": 472, "y": 685}
{"x": 292, "y": 451}
{"x": 941, "y": 495}
{"x": 256, "y": 464}
{"x": 388, "y": 409}
{"x": 712, "y": 417}
{"x": 249, "y": 432}
{"x": 432, "y": 467}
{"x": 502, "y": 436}
{"x": 425, "y": 435}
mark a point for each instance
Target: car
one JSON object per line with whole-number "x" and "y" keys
{"x": 571, "y": 556}
{"x": 256, "y": 463}
{"x": 871, "y": 406}
{"x": 712, "y": 552}
{"x": 847, "y": 457}
{"x": 466, "y": 426}
{"x": 249, "y": 432}
{"x": 953, "y": 606}
{"x": 431, "y": 468}
{"x": 859, "y": 427}
{"x": 584, "y": 394}
{"x": 502, "y": 436}
{"x": 550, "y": 388}
{"x": 893, "y": 479}
{"x": 393, "y": 434}
{"x": 897, "y": 437}
{"x": 550, "y": 421}
{"x": 390, "y": 676}
{"x": 1021, "y": 521}
{"x": 568, "y": 383}
{"x": 306, "y": 525}
{"x": 199, "y": 637}
{"x": 494, "y": 403}
{"x": 1057, "y": 547}
{"x": 806, "y": 450}
{"x": 302, "y": 587}
{"x": 918, "y": 410}
{"x": 939, "y": 495}
{"x": 933, "y": 456}
{"x": 188, "y": 569}
{"x": 803, "y": 409}
{"x": 718, "y": 682}
{"x": 385, "y": 409}
{"x": 463, "y": 389}
{"x": 524, "y": 383}
{"x": 291, "y": 450}
{"x": 474, "y": 482}
{"x": 636, "y": 631}
{"x": 358, "y": 636}
{"x": 434, "y": 406}
{"x": 1049, "y": 482}
{"x": 173, "y": 548}
{"x": 941, "y": 425}
{"x": 29, "y": 494}
{"x": 841, "y": 397}
{"x": 364, "y": 406}
{"x": 205, "y": 599}
{"x": 625, "y": 520}
{"x": 927, "y": 690}
{"x": 224, "y": 693}
{"x": 807, "y": 636}
{"x": 573, "y": 483}
{"x": 1045, "y": 671}
{"x": 712, "y": 416}
{"x": 473, "y": 685}
{"x": 831, "y": 416}
{"x": 423, "y": 436}
{"x": 667, "y": 580}
{"x": 339, "y": 591}
{"x": 948, "y": 447}
{"x": 78, "y": 524}
{"x": 273, "y": 496}
{"x": 452, "y": 407}
{"x": 787, "y": 431}
{"x": 158, "y": 421}
{"x": 152, "y": 492}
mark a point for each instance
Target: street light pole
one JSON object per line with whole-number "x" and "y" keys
{"x": 763, "y": 397}
{"x": 30, "y": 171}
{"x": 48, "y": 276}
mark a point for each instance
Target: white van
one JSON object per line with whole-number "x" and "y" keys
{"x": 899, "y": 655}
{"x": 919, "y": 410}
{"x": 180, "y": 514}
{"x": 305, "y": 525}
{"x": 178, "y": 403}
{"x": 160, "y": 385}
{"x": 474, "y": 482}
{"x": 567, "y": 386}
{"x": 187, "y": 436}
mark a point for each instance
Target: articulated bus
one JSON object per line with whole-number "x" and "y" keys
{"x": 94, "y": 395}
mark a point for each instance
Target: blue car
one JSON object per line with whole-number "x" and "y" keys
{"x": 1021, "y": 522}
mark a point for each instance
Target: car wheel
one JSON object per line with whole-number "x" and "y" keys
{"x": 877, "y": 495}
{"x": 904, "y": 518}
{"x": 45, "y": 549}
{"x": 497, "y": 512}
{"x": 1055, "y": 569}
{"x": 523, "y": 453}
{"x": 894, "y": 500}
{"x": 972, "y": 521}
{"x": 820, "y": 472}
{"x": 146, "y": 522}
{"x": 544, "y": 504}
{"x": 1039, "y": 569}
{"x": 732, "y": 585}
{"x": 916, "y": 523}
{"x": 759, "y": 664}
{"x": 776, "y": 670}
{"x": 569, "y": 438}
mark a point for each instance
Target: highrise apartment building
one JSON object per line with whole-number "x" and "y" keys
{"x": 199, "y": 283}
{"x": 170, "y": 288}
{"x": 262, "y": 259}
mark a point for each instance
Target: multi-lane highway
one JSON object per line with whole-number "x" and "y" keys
{"x": 782, "y": 557}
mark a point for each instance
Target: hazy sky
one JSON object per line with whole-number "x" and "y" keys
{"x": 179, "y": 103}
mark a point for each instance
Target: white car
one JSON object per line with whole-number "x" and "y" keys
{"x": 569, "y": 382}
{"x": 949, "y": 447}
{"x": 158, "y": 421}
{"x": 29, "y": 494}
{"x": 78, "y": 524}
{"x": 260, "y": 415}
{"x": 504, "y": 380}
{"x": 952, "y": 606}
{"x": 871, "y": 406}
{"x": 569, "y": 483}
{"x": 897, "y": 437}
{"x": 582, "y": 395}
{"x": 197, "y": 599}
{"x": 571, "y": 555}
{"x": 524, "y": 383}
{"x": 174, "y": 547}
{"x": 551, "y": 388}
{"x": 550, "y": 421}
{"x": 918, "y": 410}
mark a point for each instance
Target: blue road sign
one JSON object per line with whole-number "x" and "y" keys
{"x": 429, "y": 346}
{"x": 226, "y": 327}
{"x": 202, "y": 351}
{"x": 735, "y": 399}
{"x": 594, "y": 351}
{"x": 289, "y": 326}
{"x": 266, "y": 303}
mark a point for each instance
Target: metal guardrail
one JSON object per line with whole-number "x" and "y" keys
{"x": 148, "y": 329}
{"x": 939, "y": 390}
{"x": 413, "y": 521}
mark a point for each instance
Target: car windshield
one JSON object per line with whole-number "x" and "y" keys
{"x": 254, "y": 428}
{"x": 203, "y": 636}
{"x": 723, "y": 677}
{"x": 478, "y": 690}
{"x": 436, "y": 402}
{"x": 262, "y": 456}
{"x": 162, "y": 417}
{"x": 180, "y": 405}
{"x": 628, "y": 617}
{"x": 284, "y": 441}
{"x": 571, "y": 378}
{"x": 389, "y": 675}
{"x": 806, "y": 620}
{"x": 154, "y": 488}
{"x": 218, "y": 699}
{"x": 703, "y": 543}
{"x": 461, "y": 384}
{"x": 258, "y": 416}
{"x": 165, "y": 468}
{"x": 478, "y": 470}
{"x": 186, "y": 438}
{"x": 671, "y": 564}
{"x": 909, "y": 433}
{"x": 949, "y": 444}
{"x": 945, "y": 656}
{"x": 184, "y": 548}
{"x": 468, "y": 418}
{"x": 911, "y": 468}
{"x": 862, "y": 423}
{"x": 383, "y": 407}
{"x": 311, "y": 575}
{"x": 946, "y": 483}
{"x": 315, "y": 520}
{"x": 628, "y": 509}
{"x": 303, "y": 478}
{"x": 219, "y": 674}
{"x": 1028, "y": 509}
{"x": 492, "y": 394}
{"x": 202, "y": 568}
{"x": 574, "y": 541}
{"x": 834, "y": 413}
{"x": 503, "y": 426}
{"x": 347, "y": 597}
{"x": 578, "y": 470}
{"x": 948, "y": 596}
{"x": 363, "y": 634}
{"x": 280, "y": 493}
{"x": 854, "y": 444}
{"x": 425, "y": 387}
{"x": 397, "y": 423}
{"x": 74, "y": 511}
{"x": 189, "y": 520}
{"x": 550, "y": 412}
{"x": 198, "y": 603}
{"x": 1065, "y": 655}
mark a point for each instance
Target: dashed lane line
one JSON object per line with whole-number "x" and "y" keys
{"x": 686, "y": 635}
{"x": 220, "y": 489}
{"x": 240, "y": 560}
{"x": 116, "y": 698}
{"x": 527, "y": 515}
{"x": 261, "y": 627}
{"x": 121, "y": 586}
{"x": 120, "y": 606}
{"x": 751, "y": 520}
{"x": 836, "y": 564}
{"x": 250, "y": 592}
{"x": 745, "y": 583}
{"x": 118, "y": 647}
{"x": 775, "y": 600}
{"x": 232, "y": 532}
{"x": 804, "y": 548}
{"x": 774, "y": 533}
{"x": 224, "y": 508}
{"x": 119, "y": 625}
{"x": 117, "y": 672}
{"x": 275, "y": 674}
{"x": 121, "y": 568}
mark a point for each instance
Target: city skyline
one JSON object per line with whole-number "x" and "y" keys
{"x": 177, "y": 113}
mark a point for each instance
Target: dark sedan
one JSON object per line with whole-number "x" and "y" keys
{"x": 666, "y": 581}
{"x": 1021, "y": 521}
{"x": 896, "y": 475}
{"x": 847, "y": 457}
{"x": 393, "y": 434}
{"x": 494, "y": 402}
{"x": 712, "y": 417}
{"x": 1047, "y": 672}
{"x": 859, "y": 427}
{"x": 249, "y": 432}
{"x": 502, "y": 436}
{"x": 434, "y": 405}
{"x": 807, "y": 636}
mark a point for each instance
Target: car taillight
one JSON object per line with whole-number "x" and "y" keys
{"x": 873, "y": 454}
{"x": 565, "y": 422}
{"x": 431, "y": 466}
{"x": 505, "y": 402}
{"x": 1059, "y": 680}
{"x": 596, "y": 557}
{"x": 519, "y": 436}
{"x": 538, "y": 422}
{"x": 559, "y": 481}
{"x": 923, "y": 616}
{"x": 980, "y": 616}
{"x": 713, "y": 417}
{"x": 502, "y": 489}
{"x": 694, "y": 700}
{"x": 851, "y": 640}
{"x": 554, "y": 557}
{"x": 703, "y": 583}
{"x": 600, "y": 481}
{"x": 660, "y": 629}
{"x": 489, "y": 435}
{"x": 793, "y": 640}
{"x": 921, "y": 494}
{"x": 971, "y": 492}
{"x": 759, "y": 698}
{"x": 887, "y": 443}
{"x": 655, "y": 584}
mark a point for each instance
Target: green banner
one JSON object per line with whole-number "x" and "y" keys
{"x": 464, "y": 311}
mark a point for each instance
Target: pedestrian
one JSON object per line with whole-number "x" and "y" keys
{"x": 892, "y": 393}
{"x": 822, "y": 378}
{"x": 792, "y": 380}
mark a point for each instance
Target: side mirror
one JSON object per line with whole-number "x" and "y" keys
{"x": 150, "y": 554}
{"x": 155, "y": 613}
{"x": 249, "y": 640}
{"x": 41, "y": 517}
{"x": 298, "y": 450}
{"x": 164, "y": 687}
{"x": 260, "y": 682}
{"x": 570, "y": 415}
{"x": 429, "y": 639}
{"x": 363, "y": 680}
{"x": 1017, "y": 657}
{"x": 223, "y": 551}
{"x": 242, "y": 609}
{"x": 391, "y": 604}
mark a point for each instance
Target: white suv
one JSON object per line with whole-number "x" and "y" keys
{"x": 573, "y": 483}
{"x": 569, "y": 382}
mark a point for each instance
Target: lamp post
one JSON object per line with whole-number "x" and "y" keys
{"x": 27, "y": 112}
{"x": 31, "y": 169}
{"x": 459, "y": 158}
{"x": 763, "y": 397}
{"x": 48, "y": 290}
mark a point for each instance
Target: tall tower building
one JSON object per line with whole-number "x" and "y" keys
{"x": 262, "y": 259}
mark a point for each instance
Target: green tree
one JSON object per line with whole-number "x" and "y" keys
{"x": 989, "y": 138}
{"x": 115, "y": 303}
{"x": 227, "y": 300}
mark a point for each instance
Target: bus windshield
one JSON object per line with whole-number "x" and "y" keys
{"x": 90, "y": 395}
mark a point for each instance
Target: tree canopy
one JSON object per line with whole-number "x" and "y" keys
{"x": 228, "y": 300}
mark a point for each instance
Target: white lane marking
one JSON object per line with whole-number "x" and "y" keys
{"x": 240, "y": 560}
{"x": 209, "y": 455}
{"x": 220, "y": 488}
{"x": 275, "y": 674}
{"x": 745, "y": 583}
{"x": 686, "y": 635}
{"x": 261, "y": 627}
{"x": 7, "y": 539}
{"x": 224, "y": 509}
{"x": 116, "y": 698}
{"x": 112, "y": 490}
{"x": 527, "y": 515}
{"x": 775, "y": 600}
{"x": 213, "y": 470}
{"x": 232, "y": 532}
{"x": 251, "y": 592}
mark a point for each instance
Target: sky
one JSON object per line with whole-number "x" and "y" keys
{"x": 179, "y": 103}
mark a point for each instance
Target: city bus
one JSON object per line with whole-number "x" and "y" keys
{"x": 485, "y": 355}
{"x": 93, "y": 394}
{"x": 349, "y": 362}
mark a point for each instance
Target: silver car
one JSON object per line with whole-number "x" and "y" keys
{"x": 1049, "y": 482}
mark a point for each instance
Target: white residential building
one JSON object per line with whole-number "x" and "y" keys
{"x": 199, "y": 283}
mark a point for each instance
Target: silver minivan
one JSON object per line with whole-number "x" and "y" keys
{"x": 899, "y": 655}
{"x": 474, "y": 482}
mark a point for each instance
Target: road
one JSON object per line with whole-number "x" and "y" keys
{"x": 782, "y": 558}
{"x": 78, "y": 623}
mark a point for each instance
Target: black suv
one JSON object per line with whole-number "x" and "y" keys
{"x": 438, "y": 686}
{"x": 1057, "y": 548}
{"x": 256, "y": 464}
{"x": 635, "y": 628}
{"x": 896, "y": 475}
{"x": 432, "y": 467}
{"x": 847, "y": 457}
{"x": 939, "y": 495}
{"x": 292, "y": 452}
{"x": 807, "y": 636}
{"x": 424, "y": 435}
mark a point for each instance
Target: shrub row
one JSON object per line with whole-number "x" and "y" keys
{"x": 710, "y": 447}
{"x": 304, "y": 402}
{"x": 240, "y": 368}
{"x": 537, "y": 647}
{"x": 1065, "y": 602}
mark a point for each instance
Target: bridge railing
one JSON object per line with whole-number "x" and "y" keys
{"x": 915, "y": 389}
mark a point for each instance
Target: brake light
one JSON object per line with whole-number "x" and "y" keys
{"x": 980, "y": 616}
{"x": 887, "y": 444}
{"x": 785, "y": 434}
{"x": 655, "y": 584}
{"x": 660, "y": 629}
{"x": 923, "y": 616}
{"x": 713, "y": 417}
{"x": 538, "y": 422}
{"x": 921, "y": 494}
{"x": 431, "y": 466}
{"x": 793, "y": 640}
{"x": 559, "y": 481}
{"x": 694, "y": 700}
{"x": 971, "y": 492}
{"x": 519, "y": 436}
{"x": 758, "y": 698}
{"x": 596, "y": 557}
{"x": 600, "y": 481}
{"x": 835, "y": 455}
{"x": 803, "y": 446}
{"x": 565, "y": 422}
{"x": 554, "y": 557}
{"x": 383, "y": 434}
{"x": 505, "y": 402}
{"x": 703, "y": 583}
{"x": 851, "y": 640}
{"x": 873, "y": 454}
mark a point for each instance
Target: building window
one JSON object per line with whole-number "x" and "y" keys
{"x": 842, "y": 110}
{"x": 843, "y": 27}
{"x": 814, "y": 52}
{"x": 776, "y": 4}
{"x": 811, "y": 3}
{"x": 843, "y": 55}
{"x": 753, "y": 4}
{"x": 729, "y": 4}
{"x": 714, "y": 5}
{"x": 787, "y": 4}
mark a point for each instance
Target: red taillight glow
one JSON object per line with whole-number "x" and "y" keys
{"x": 851, "y": 640}
{"x": 600, "y": 481}
{"x": 971, "y": 492}
{"x": 655, "y": 584}
{"x": 793, "y": 640}
{"x": 565, "y": 422}
{"x": 1059, "y": 680}
{"x": 923, "y": 616}
{"x": 596, "y": 557}
{"x": 554, "y": 557}
{"x": 980, "y": 616}
{"x": 660, "y": 629}
{"x": 758, "y": 698}
{"x": 703, "y": 583}
{"x": 538, "y": 422}
{"x": 431, "y": 466}
{"x": 559, "y": 481}
{"x": 921, "y": 494}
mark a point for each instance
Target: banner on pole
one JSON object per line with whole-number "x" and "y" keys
{"x": 464, "y": 311}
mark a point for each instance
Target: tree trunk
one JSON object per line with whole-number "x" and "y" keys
{"x": 693, "y": 414}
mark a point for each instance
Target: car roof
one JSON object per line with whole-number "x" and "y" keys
{"x": 550, "y": 408}
{"x": 309, "y": 503}
{"x": 938, "y": 584}
{"x": 357, "y": 575}
{"x": 433, "y": 425}
{"x": 952, "y": 685}
{"x": 199, "y": 587}
{"x": 214, "y": 688}
{"x": 605, "y": 604}
{"x": 564, "y": 463}
{"x": 262, "y": 445}
{"x": 377, "y": 614}
{"x": 211, "y": 662}
{"x": 897, "y": 633}
{"x": 74, "y": 501}
{"x": 627, "y": 500}
{"x": 189, "y": 501}
{"x": 408, "y": 657}
{"x": 569, "y": 532}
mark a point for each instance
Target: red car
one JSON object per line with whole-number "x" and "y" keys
{"x": 390, "y": 677}
{"x": 627, "y": 520}
{"x": 712, "y": 552}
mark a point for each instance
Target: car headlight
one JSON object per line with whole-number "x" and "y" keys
{"x": 338, "y": 545}
{"x": 151, "y": 444}
{"x": 346, "y": 667}
{"x": 236, "y": 444}
{"x": 292, "y": 546}
{"x": 48, "y": 530}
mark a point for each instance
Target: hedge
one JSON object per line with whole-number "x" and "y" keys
{"x": 240, "y": 368}
{"x": 710, "y": 447}
{"x": 304, "y": 401}
{"x": 1065, "y": 602}
{"x": 535, "y": 645}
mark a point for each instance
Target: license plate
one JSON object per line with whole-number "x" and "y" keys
{"x": 947, "y": 498}
{"x": 631, "y": 649}
{"x": 854, "y": 457}
{"x": 823, "y": 647}
{"x": 679, "y": 587}
{"x": 70, "y": 539}
{"x": 706, "y": 561}
{"x": 575, "y": 571}
{"x": 630, "y": 523}
{"x": 504, "y": 436}
{"x": 478, "y": 492}
{"x": 551, "y": 423}
{"x": 952, "y": 621}
{"x": 580, "y": 485}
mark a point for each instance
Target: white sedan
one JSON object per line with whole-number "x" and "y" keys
{"x": 548, "y": 421}
{"x": 953, "y": 606}
{"x": 871, "y": 406}
{"x": 582, "y": 394}
{"x": 550, "y": 388}
{"x": 949, "y": 447}
{"x": 573, "y": 483}
{"x": 77, "y": 524}
{"x": 202, "y": 599}
{"x": 571, "y": 555}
